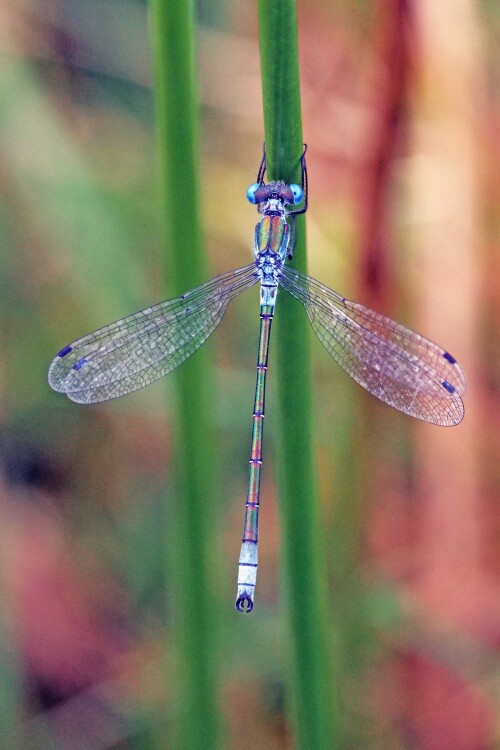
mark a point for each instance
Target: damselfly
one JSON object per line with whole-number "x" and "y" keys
{"x": 396, "y": 365}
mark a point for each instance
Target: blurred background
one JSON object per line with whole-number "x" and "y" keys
{"x": 401, "y": 112}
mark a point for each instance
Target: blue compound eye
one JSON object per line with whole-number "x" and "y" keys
{"x": 297, "y": 193}
{"x": 251, "y": 192}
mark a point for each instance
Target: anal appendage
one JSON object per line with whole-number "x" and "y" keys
{"x": 247, "y": 576}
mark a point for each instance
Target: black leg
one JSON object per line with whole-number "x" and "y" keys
{"x": 290, "y": 245}
{"x": 262, "y": 168}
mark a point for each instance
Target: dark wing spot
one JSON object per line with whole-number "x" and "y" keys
{"x": 65, "y": 351}
{"x": 448, "y": 386}
{"x": 449, "y": 358}
{"x": 78, "y": 365}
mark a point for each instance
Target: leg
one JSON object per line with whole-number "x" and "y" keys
{"x": 262, "y": 168}
{"x": 290, "y": 245}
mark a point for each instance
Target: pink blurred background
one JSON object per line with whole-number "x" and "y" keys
{"x": 401, "y": 113}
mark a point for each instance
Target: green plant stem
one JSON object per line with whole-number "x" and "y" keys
{"x": 313, "y": 701}
{"x": 10, "y": 676}
{"x": 177, "y": 134}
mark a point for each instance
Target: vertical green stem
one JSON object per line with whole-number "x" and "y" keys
{"x": 10, "y": 676}
{"x": 175, "y": 95}
{"x": 313, "y": 701}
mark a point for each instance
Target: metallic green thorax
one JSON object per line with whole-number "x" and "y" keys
{"x": 270, "y": 234}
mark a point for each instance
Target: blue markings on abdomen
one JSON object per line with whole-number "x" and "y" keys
{"x": 448, "y": 386}
{"x": 66, "y": 350}
{"x": 449, "y": 358}
{"x": 78, "y": 365}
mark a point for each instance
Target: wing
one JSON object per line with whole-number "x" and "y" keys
{"x": 395, "y": 364}
{"x": 137, "y": 350}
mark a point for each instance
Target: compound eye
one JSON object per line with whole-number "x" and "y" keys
{"x": 297, "y": 192}
{"x": 252, "y": 191}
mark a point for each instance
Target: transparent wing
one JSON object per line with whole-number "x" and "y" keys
{"x": 395, "y": 364}
{"x": 137, "y": 350}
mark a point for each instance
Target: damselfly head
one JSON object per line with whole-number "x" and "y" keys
{"x": 287, "y": 194}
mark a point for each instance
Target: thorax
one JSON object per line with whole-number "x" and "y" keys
{"x": 270, "y": 250}
{"x": 271, "y": 234}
